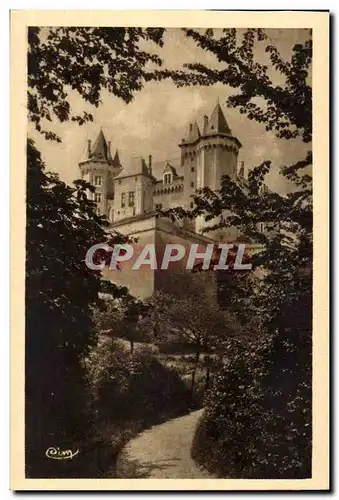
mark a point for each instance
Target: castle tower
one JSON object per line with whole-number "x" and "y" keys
{"x": 218, "y": 152}
{"x": 189, "y": 153}
{"x": 189, "y": 156}
{"x": 99, "y": 169}
{"x": 208, "y": 156}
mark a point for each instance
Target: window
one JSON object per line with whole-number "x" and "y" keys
{"x": 158, "y": 206}
{"x": 261, "y": 227}
{"x": 192, "y": 184}
{"x": 131, "y": 199}
{"x": 98, "y": 197}
{"x": 192, "y": 204}
{"x": 98, "y": 180}
{"x": 192, "y": 169}
{"x": 123, "y": 199}
{"x": 167, "y": 179}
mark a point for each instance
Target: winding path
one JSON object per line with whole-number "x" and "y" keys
{"x": 164, "y": 451}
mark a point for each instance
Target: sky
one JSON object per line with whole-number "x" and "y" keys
{"x": 159, "y": 115}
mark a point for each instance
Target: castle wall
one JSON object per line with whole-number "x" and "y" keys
{"x": 226, "y": 165}
{"x": 142, "y": 189}
{"x": 139, "y": 282}
{"x": 169, "y": 196}
{"x": 176, "y": 279}
{"x": 190, "y": 159}
{"x": 121, "y": 186}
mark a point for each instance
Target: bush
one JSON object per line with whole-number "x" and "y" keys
{"x": 257, "y": 422}
{"x": 133, "y": 387}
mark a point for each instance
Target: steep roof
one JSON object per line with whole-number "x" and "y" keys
{"x": 100, "y": 150}
{"x": 116, "y": 160}
{"x": 217, "y": 123}
{"x": 137, "y": 166}
{"x": 194, "y": 133}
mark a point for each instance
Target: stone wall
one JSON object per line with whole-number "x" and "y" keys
{"x": 176, "y": 279}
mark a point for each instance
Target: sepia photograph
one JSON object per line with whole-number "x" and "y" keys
{"x": 168, "y": 225}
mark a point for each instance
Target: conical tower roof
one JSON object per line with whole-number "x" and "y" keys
{"x": 100, "y": 151}
{"x": 217, "y": 123}
{"x": 194, "y": 132}
{"x": 116, "y": 159}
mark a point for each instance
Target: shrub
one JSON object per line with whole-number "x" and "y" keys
{"x": 133, "y": 387}
{"x": 257, "y": 422}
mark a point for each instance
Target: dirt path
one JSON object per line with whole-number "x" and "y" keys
{"x": 164, "y": 451}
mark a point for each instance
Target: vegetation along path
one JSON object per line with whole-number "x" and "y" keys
{"x": 164, "y": 451}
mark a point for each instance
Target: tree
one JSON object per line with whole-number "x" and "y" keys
{"x": 60, "y": 292}
{"x": 284, "y": 108}
{"x": 190, "y": 320}
{"x": 283, "y": 297}
{"x": 119, "y": 318}
{"x": 88, "y": 61}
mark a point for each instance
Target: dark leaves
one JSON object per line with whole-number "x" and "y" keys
{"x": 288, "y": 109}
{"x": 88, "y": 60}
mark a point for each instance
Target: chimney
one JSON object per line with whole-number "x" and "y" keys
{"x": 205, "y": 122}
{"x": 191, "y": 126}
{"x": 150, "y": 164}
{"x": 109, "y": 148}
{"x": 89, "y": 148}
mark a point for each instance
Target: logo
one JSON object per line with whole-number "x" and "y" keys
{"x": 57, "y": 454}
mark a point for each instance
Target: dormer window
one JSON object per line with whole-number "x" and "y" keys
{"x": 169, "y": 174}
{"x": 167, "y": 178}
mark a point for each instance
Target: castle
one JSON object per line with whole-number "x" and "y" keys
{"x": 130, "y": 195}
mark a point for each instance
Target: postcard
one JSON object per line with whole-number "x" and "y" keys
{"x": 170, "y": 250}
